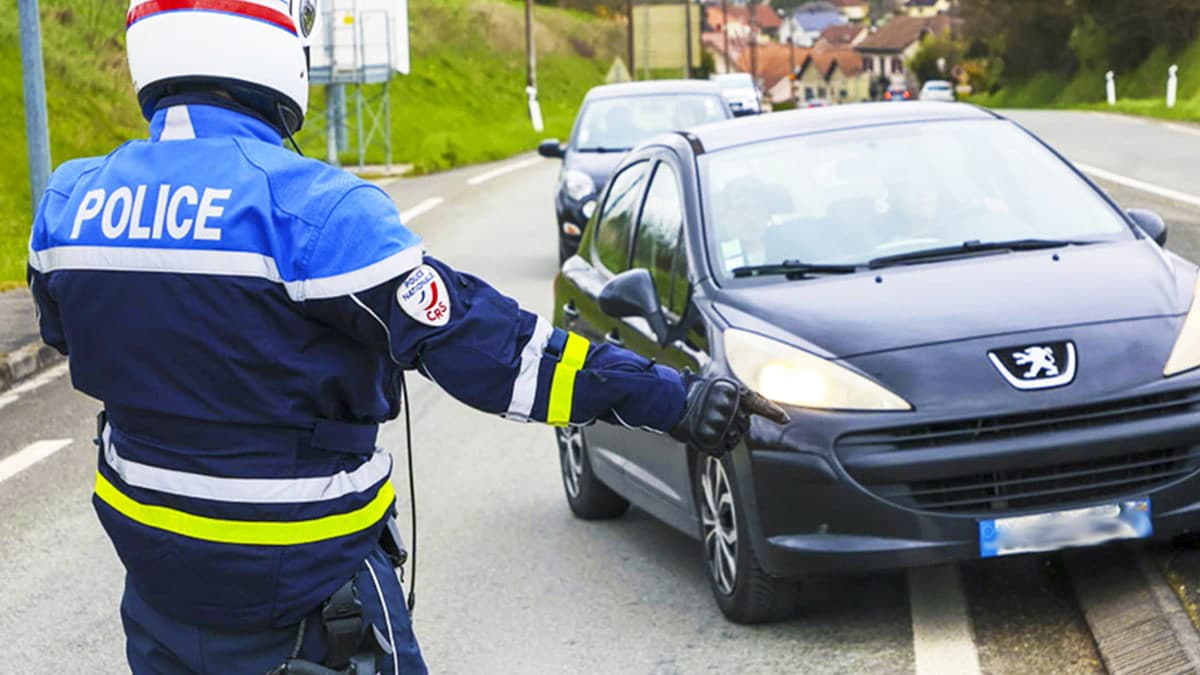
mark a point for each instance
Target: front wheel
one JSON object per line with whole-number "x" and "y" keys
{"x": 586, "y": 495}
{"x": 743, "y": 590}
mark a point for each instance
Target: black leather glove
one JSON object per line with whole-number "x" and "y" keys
{"x": 717, "y": 413}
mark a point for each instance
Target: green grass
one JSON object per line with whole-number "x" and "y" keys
{"x": 463, "y": 103}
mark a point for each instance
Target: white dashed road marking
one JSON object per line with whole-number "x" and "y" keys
{"x": 501, "y": 170}
{"x": 30, "y": 455}
{"x": 943, "y": 643}
{"x": 424, "y": 207}
{"x": 13, "y": 395}
{"x": 1166, "y": 193}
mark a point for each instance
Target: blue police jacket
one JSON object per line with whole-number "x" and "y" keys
{"x": 244, "y": 314}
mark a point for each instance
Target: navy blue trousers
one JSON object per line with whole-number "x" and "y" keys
{"x": 158, "y": 645}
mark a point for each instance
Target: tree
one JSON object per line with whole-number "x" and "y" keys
{"x": 924, "y": 64}
{"x": 1029, "y": 36}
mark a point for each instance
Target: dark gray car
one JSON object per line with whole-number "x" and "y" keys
{"x": 980, "y": 352}
{"x": 612, "y": 119}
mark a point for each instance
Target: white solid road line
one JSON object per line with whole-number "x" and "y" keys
{"x": 1182, "y": 128}
{"x": 501, "y": 170}
{"x": 1166, "y": 193}
{"x": 30, "y": 455}
{"x": 14, "y": 394}
{"x": 941, "y": 628}
{"x": 424, "y": 207}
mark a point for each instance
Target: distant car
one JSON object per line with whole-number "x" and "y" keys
{"x": 936, "y": 90}
{"x": 897, "y": 94}
{"x": 980, "y": 352}
{"x": 815, "y": 103}
{"x": 612, "y": 119}
{"x": 740, "y": 92}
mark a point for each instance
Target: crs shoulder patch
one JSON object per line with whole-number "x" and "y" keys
{"x": 424, "y": 296}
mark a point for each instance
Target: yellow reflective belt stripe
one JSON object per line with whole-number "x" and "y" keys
{"x": 562, "y": 385}
{"x": 259, "y": 533}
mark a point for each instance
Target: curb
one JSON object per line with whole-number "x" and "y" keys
{"x": 1138, "y": 627}
{"x": 25, "y": 361}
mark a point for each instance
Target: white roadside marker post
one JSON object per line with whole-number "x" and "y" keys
{"x": 1110, "y": 87}
{"x": 1172, "y": 85}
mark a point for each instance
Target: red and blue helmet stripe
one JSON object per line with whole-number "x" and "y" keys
{"x": 244, "y": 8}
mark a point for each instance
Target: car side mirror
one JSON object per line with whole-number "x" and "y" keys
{"x": 551, "y": 148}
{"x": 1151, "y": 223}
{"x": 631, "y": 293}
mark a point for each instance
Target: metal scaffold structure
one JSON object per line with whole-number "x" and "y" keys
{"x": 359, "y": 43}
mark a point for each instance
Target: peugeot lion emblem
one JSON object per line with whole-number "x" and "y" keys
{"x": 1039, "y": 366}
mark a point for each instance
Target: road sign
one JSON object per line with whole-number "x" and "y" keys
{"x": 360, "y": 41}
{"x": 658, "y": 36}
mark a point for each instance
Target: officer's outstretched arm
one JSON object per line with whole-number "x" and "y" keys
{"x": 486, "y": 351}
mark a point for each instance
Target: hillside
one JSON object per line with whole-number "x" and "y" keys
{"x": 464, "y": 101}
{"x": 1140, "y": 91}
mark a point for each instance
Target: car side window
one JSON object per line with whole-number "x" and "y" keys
{"x": 615, "y": 225}
{"x": 657, "y": 243}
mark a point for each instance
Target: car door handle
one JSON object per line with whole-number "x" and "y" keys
{"x": 613, "y": 338}
{"x": 569, "y": 311}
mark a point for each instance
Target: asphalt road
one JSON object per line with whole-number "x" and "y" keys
{"x": 507, "y": 580}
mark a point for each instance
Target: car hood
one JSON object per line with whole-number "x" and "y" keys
{"x": 902, "y": 307}
{"x": 598, "y": 165}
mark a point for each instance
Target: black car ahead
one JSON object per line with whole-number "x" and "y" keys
{"x": 612, "y": 119}
{"x": 980, "y": 352}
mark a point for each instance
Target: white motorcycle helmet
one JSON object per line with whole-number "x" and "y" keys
{"x": 255, "y": 50}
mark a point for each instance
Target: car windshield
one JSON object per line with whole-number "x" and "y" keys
{"x": 850, "y": 197}
{"x": 621, "y": 123}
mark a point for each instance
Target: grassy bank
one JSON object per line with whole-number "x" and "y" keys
{"x": 464, "y": 101}
{"x": 1139, "y": 92}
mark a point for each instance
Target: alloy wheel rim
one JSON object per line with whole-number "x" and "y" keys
{"x": 570, "y": 448}
{"x": 718, "y": 519}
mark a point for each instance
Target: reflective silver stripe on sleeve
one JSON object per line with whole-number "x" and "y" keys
{"x": 248, "y": 490}
{"x": 360, "y": 279}
{"x": 525, "y": 386}
{"x": 231, "y": 263}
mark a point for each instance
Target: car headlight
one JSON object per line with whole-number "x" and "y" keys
{"x": 788, "y": 375}
{"x": 1186, "y": 353}
{"x": 577, "y": 184}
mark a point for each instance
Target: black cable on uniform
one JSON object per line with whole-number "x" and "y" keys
{"x": 412, "y": 498}
{"x": 283, "y": 125}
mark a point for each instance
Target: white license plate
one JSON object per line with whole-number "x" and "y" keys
{"x": 1062, "y": 529}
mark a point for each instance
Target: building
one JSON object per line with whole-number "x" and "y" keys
{"x": 771, "y": 66}
{"x": 836, "y": 76}
{"x": 886, "y": 51}
{"x": 838, "y": 37}
{"x": 740, "y": 26}
{"x": 924, "y": 9}
{"x": 857, "y": 11}
{"x": 806, "y": 23}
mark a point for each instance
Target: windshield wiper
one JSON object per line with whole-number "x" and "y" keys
{"x": 793, "y": 269}
{"x": 601, "y": 148}
{"x": 969, "y": 248}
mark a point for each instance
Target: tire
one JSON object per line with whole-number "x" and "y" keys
{"x": 743, "y": 590}
{"x": 588, "y": 498}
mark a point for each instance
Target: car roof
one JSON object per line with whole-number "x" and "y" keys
{"x": 649, "y": 87}
{"x": 755, "y": 128}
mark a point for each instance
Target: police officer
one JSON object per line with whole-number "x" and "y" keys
{"x": 245, "y": 315}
